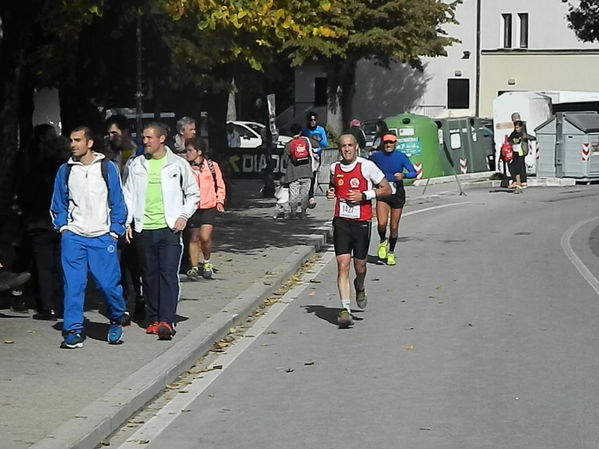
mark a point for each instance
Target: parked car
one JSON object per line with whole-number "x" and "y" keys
{"x": 251, "y": 134}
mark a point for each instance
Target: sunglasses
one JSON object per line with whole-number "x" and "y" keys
{"x": 389, "y": 141}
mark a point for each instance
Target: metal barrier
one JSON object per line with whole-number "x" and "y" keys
{"x": 327, "y": 157}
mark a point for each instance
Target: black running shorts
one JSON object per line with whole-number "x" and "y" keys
{"x": 395, "y": 201}
{"x": 351, "y": 237}
{"x": 202, "y": 217}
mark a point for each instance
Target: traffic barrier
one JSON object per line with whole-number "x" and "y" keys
{"x": 418, "y": 168}
{"x": 586, "y": 151}
{"x": 327, "y": 157}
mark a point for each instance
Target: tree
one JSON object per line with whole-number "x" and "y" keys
{"x": 377, "y": 30}
{"x": 584, "y": 20}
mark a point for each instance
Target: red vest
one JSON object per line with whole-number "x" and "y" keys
{"x": 344, "y": 182}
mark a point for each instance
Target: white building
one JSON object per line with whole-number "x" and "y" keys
{"x": 523, "y": 45}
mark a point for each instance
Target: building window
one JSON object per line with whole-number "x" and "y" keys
{"x": 506, "y": 20}
{"x": 523, "y": 29}
{"x": 458, "y": 93}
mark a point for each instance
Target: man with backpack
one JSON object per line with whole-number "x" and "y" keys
{"x": 298, "y": 158}
{"x": 89, "y": 211}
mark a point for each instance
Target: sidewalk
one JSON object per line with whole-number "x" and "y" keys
{"x": 62, "y": 399}
{"x": 74, "y": 398}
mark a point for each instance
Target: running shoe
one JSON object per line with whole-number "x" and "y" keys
{"x": 115, "y": 333}
{"x": 390, "y": 259}
{"x": 361, "y": 299}
{"x": 382, "y": 251}
{"x": 72, "y": 340}
{"x": 165, "y": 331}
{"x": 153, "y": 328}
{"x": 208, "y": 270}
{"x": 193, "y": 274}
{"x": 344, "y": 320}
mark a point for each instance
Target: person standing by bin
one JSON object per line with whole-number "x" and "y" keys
{"x": 518, "y": 139}
{"x": 396, "y": 166}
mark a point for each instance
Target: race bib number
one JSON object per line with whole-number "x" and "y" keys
{"x": 349, "y": 210}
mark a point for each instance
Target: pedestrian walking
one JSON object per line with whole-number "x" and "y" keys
{"x": 122, "y": 150}
{"x": 89, "y": 211}
{"x": 161, "y": 195}
{"x": 355, "y": 182}
{"x": 209, "y": 179}
{"x": 396, "y": 166}
{"x": 318, "y": 133}
{"x": 298, "y": 159}
{"x": 186, "y": 129}
{"x": 518, "y": 139}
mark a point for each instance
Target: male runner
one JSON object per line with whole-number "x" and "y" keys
{"x": 355, "y": 182}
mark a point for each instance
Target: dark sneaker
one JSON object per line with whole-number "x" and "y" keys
{"x": 361, "y": 299}
{"x": 125, "y": 320}
{"x": 46, "y": 315}
{"x": 344, "y": 320}
{"x": 73, "y": 340}
{"x": 165, "y": 331}
{"x": 153, "y": 328}
{"x": 208, "y": 271}
{"x": 115, "y": 333}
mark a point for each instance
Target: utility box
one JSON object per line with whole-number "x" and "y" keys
{"x": 464, "y": 145}
{"x": 568, "y": 146}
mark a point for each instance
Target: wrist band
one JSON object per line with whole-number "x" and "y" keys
{"x": 369, "y": 195}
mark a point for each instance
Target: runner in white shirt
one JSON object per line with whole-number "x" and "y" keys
{"x": 355, "y": 182}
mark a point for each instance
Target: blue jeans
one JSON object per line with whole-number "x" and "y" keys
{"x": 99, "y": 255}
{"x": 160, "y": 257}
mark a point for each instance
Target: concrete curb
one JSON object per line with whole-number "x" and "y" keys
{"x": 106, "y": 414}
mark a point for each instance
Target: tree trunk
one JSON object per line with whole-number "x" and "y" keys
{"x": 342, "y": 87}
{"x": 16, "y": 25}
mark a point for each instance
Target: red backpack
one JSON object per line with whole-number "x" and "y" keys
{"x": 299, "y": 150}
{"x": 507, "y": 152}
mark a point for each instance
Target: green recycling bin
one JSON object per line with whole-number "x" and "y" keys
{"x": 464, "y": 145}
{"x": 418, "y": 138}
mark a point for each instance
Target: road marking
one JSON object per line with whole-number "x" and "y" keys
{"x": 567, "y": 247}
{"x": 428, "y": 209}
{"x": 175, "y": 407}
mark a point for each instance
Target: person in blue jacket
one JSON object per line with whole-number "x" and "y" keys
{"x": 88, "y": 209}
{"x": 317, "y": 133}
{"x": 396, "y": 166}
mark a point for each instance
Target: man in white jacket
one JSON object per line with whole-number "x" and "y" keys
{"x": 161, "y": 194}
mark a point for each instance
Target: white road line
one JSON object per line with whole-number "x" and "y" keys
{"x": 567, "y": 247}
{"x": 176, "y": 406}
{"x": 428, "y": 209}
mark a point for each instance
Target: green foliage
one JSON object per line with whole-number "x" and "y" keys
{"x": 402, "y": 30}
{"x": 584, "y": 20}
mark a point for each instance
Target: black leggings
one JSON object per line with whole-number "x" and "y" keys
{"x": 518, "y": 167}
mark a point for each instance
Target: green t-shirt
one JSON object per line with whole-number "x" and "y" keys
{"x": 154, "y": 212}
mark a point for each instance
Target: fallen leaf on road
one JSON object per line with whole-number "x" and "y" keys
{"x": 312, "y": 293}
{"x": 8, "y": 342}
{"x": 309, "y": 363}
{"x": 314, "y": 281}
{"x": 105, "y": 443}
{"x": 289, "y": 370}
{"x": 185, "y": 410}
{"x": 410, "y": 347}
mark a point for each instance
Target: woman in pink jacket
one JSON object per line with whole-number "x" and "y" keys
{"x": 212, "y": 200}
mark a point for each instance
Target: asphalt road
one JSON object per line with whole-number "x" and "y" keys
{"x": 483, "y": 336}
